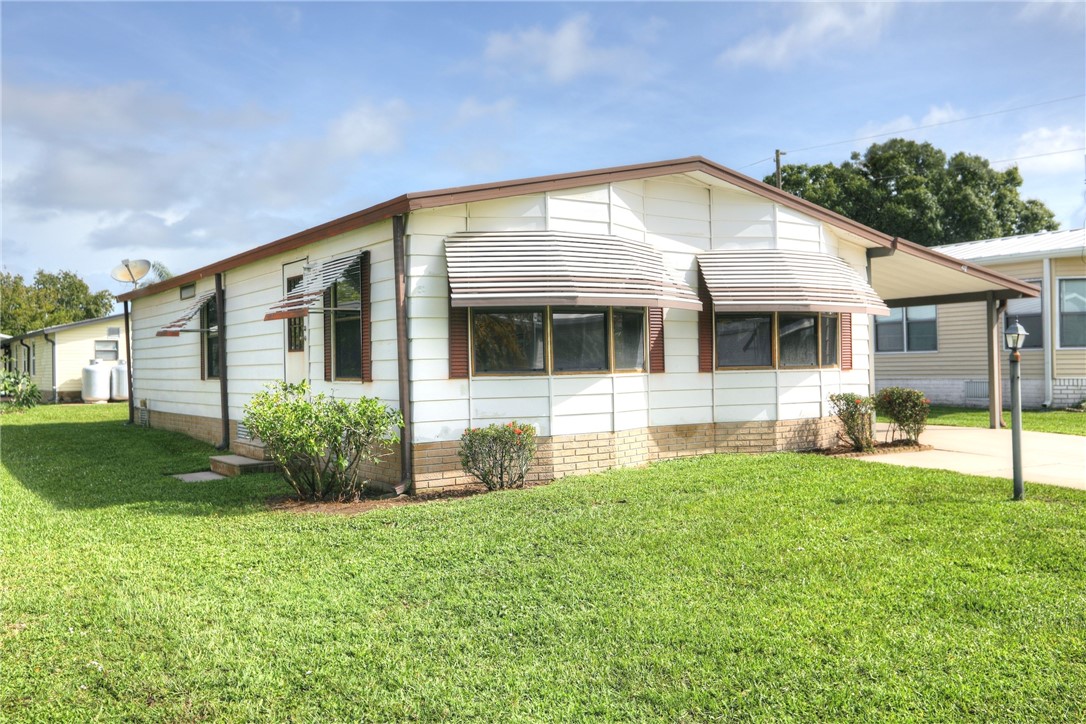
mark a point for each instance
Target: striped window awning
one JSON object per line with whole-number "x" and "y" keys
{"x": 495, "y": 269}
{"x": 317, "y": 278}
{"x": 177, "y": 326}
{"x": 781, "y": 280}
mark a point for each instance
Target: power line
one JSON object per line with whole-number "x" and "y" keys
{"x": 930, "y": 125}
{"x": 1038, "y": 155}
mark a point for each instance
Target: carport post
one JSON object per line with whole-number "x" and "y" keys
{"x": 995, "y": 379}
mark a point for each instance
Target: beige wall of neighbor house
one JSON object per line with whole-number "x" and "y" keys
{"x": 949, "y": 374}
{"x": 76, "y": 345}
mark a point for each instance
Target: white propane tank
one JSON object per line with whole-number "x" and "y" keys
{"x": 118, "y": 382}
{"x": 95, "y": 382}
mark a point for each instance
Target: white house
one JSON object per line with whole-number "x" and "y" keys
{"x": 940, "y": 349}
{"x": 54, "y": 357}
{"x": 632, "y": 313}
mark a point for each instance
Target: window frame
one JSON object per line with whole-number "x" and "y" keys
{"x": 548, "y": 340}
{"x": 295, "y": 324}
{"x": 1059, "y": 311}
{"x": 334, "y": 311}
{"x": 1008, "y": 316}
{"x": 33, "y": 359}
{"x": 905, "y": 332}
{"x": 210, "y": 333}
{"x": 116, "y": 349}
{"x": 775, "y": 342}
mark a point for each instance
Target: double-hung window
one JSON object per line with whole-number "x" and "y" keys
{"x": 908, "y": 329}
{"x": 1027, "y": 312}
{"x": 785, "y": 339}
{"x": 558, "y": 339}
{"x": 209, "y": 323}
{"x": 347, "y": 326}
{"x": 106, "y": 350}
{"x": 1072, "y": 313}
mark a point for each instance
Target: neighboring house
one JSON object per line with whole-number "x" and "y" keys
{"x": 631, "y": 314}
{"x": 940, "y": 349}
{"x": 54, "y": 357}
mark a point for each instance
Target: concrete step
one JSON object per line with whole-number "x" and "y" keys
{"x": 249, "y": 448}
{"x": 201, "y": 477}
{"x": 234, "y": 465}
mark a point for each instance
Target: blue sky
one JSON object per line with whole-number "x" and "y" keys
{"x": 186, "y": 132}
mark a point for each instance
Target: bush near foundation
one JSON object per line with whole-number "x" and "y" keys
{"x": 319, "y": 442}
{"x": 855, "y": 413}
{"x": 20, "y": 391}
{"x": 906, "y": 409}
{"x": 498, "y": 456}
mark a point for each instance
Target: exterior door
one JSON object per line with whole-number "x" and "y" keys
{"x": 295, "y": 355}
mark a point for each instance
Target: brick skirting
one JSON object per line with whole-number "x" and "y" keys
{"x": 437, "y": 464}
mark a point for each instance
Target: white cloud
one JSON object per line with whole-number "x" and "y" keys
{"x": 1053, "y": 150}
{"x": 471, "y": 109}
{"x": 562, "y": 55}
{"x": 819, "y": 26}
{"x": 1063, "y": 13}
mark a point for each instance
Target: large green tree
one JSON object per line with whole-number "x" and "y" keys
{"x": 914, "y": 191}
{"x": 49, "y": 300}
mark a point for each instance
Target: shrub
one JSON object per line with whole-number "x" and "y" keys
{"x": 20, "y": 390}
{"x": 855, "y": 412}
{"x": 320, "y": 443}
{"x": 498, "y": 456}
{"x": 907, "y": 410}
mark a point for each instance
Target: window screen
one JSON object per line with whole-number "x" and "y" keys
{"x": 798, "y": 340}
{"x": 1073, "y": 312}
{"x": 508, "y": 340}
{"x": 347, "y": 326}
{"x": 629, "y": 335}
{"x": 744, "y": 340}
{"x": 580, "y": 340}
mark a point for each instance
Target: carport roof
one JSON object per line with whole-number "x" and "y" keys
{"x": 895, "y": 260}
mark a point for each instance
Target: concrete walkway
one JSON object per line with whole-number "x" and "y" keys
{"x": 1046, "y": 457}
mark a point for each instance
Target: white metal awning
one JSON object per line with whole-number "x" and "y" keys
{"x": 317, "y": 278}
{"x": 782, "y": 280}
{"x": 559, "y": 268}
{"x": 174, "y": 328}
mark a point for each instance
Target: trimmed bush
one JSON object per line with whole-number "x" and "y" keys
{"x": 855, "y": 413}
{"x": 906, "y": 409}
{"x": 20, "y": 390}
{"x": 320, "y": 442}
{"x": 498, "y": 456}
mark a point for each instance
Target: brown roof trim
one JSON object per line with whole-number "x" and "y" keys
{"x": 504, "y": 189}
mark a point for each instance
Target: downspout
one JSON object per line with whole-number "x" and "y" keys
{"x": 128, "y": 355}
{"x": 220, "y": 322}
{"x": 26, "y": 356}
{"x": 874, "y": 253}
{"x": 403, "y": 349}
{"x": 53, "y": 367}
{"x": 1047, "y": 319}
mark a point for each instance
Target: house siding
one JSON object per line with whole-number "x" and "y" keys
{"x": 74, "y": 350}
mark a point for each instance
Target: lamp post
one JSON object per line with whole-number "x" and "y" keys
{"x": 1016, "y": 336}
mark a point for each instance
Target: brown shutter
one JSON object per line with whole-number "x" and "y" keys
{"x": 366, "y": 318}
{"x": 705, "y": 328}
{"x": 846, "y": 341}
{"x": 656, "y": 339}
{"x": 327, "y": 335}
{"x": 458, "y": 342}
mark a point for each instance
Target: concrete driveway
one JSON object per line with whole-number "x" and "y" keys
{"x": 1046, "y": 457}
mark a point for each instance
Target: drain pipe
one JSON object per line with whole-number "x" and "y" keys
{"x": 1046, "y": 333}
{"x": 128, "y": 355}
{"x": 220, "y": 322}
{"x": 403, "y": 350}
{"x": 53, "y": 366}
{"x": 26, "y": 356}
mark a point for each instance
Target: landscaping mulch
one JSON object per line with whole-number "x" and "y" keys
{"x": 290, "y": 504}
{"x": 881, "y": 448}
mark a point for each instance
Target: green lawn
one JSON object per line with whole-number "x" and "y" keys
{"x": 778, "y": 587}
{"x": 1062, "y": 421}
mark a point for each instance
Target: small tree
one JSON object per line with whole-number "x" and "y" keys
{"x": 855, "y": 413}
{"x": 498, "y": 456}
{"x": 906, "y": 409}
{"x": 319, "y": 444}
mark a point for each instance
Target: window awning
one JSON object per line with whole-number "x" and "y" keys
{"x": 781, "y": 280}
{"x": 558, "y": 268}
{"x": 174, "y": 328}
{"x": 316, "y": 280}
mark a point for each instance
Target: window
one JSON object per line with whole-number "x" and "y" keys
{"x": 560, "y": 340}
{"x": 1072, "y": 313}
{"x": 209, "y": 323}
{"x": 792, "y": 340}
{"x": 113, "y": 331}
{"x": 347, "y": 326}
{"x": 744, "y": 340}
{"x": 1029, "y": 315}
{"x": 33, "y": 359}
{"x": 295, "y": 325}
{"x": 908, "y": 329}
{"x": 188, "y": 291}
{"x": 106, "y": 350}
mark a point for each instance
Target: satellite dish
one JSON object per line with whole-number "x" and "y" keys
{"x": 131, "y": 270}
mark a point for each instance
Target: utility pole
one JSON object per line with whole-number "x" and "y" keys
{"x": 778, "y": 155}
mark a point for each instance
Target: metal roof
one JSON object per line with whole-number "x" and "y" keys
{"x": 560, "y": 268}
{"x": 783, "y": 280}
{"x": 1069, "y": 242}
{"x": 69, "y": 325}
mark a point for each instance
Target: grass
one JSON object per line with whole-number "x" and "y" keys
{"x": 1061, "y": 421}
{"x": 778, "y": 587}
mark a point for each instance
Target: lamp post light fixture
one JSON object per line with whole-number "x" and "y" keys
{"x": 1015, "y": 337}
